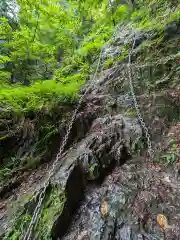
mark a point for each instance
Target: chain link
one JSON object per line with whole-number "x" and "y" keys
{"x": 141, "y": 120}
{"x": 41, "y": 196}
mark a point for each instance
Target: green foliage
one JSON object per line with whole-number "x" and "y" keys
{"x": 36, "y": 41}
{"x": 53, "y": 204}
{"x": 53, "y": 207}
{"x": 172, "y": 156}
{"x": 19, "y": 102}
{"x": 116, "y": 60}
{"x": 30, "y": 50}
{"x": 61, "y": 44}
{"x": 7, "y": 171}
{"x": 130, "y": 112}
{"x": 4, "y": 77}
{"x": 4, "y": 59}
{"x": 109, "y": 62}
{"x": 19, "y": 223}
{"x": 138, "y": 145}
{"x": 39, "y": 96}
{"x": 15, "y": 165}
{"x": 80, "y": 30}
{"x": 121, "y": 13}
{"x": 155, "y": 14}
{"x": 5, "y": 29}
{"x": 92, "y": 169}
{"x": 175, "y": 15}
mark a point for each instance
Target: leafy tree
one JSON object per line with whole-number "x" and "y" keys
{"x": 74, "y": 33}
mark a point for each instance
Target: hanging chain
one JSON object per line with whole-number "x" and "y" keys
{"x": 143, "y": 125}
{"x": 41, "y": 196}
{"x": 37, "y": 211}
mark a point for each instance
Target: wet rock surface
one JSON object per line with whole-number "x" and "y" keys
{"x": 107, "y": 143}
{"x": 135, "y": 195}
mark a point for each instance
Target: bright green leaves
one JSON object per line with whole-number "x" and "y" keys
{"x": 4, "y": 59}
{"x": 90, "y": 48}
{"x": 5, "y": 28}
{"x": 79, "y": 28}
{"x": 121, "y": 13}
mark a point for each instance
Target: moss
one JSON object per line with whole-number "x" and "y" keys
{"x": 92, "y": 169}
{"x": 130, "y": 112}
{"x": 109, "y": 63}
{"x": 16, "y": 232}
{"x": 113, "y": 61}
{"x": 52, "y": 207}
{"x": 175, "y": 15}
{"x": 20, "y": 219}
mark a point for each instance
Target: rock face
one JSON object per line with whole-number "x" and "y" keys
{"x": 123, "y": 36}
{"x": 109, "y": 141}
{"x": 122, "y": 205}
{"x": 134, "y": 195}
{"x": 126, "y": 34}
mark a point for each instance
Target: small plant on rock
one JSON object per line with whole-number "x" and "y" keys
{"x": 173, "y": 155}
{"x": 92, "y": 169}
{"x": 138, "y": 145}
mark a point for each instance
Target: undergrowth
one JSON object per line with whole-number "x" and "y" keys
{"x": 41, "y": 95}
{"x": 156, "y": 14}
{"x": 32, "y": 114}
{"x": 172, "y": 156}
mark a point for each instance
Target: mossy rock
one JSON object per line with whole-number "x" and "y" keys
{"x": 62, "y": 197}
{"x": 52, "y": 207}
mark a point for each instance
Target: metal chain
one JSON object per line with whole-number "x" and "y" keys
{"x": 37, "y": 211}
{"x": 41, "y": 196}
{"x": 143, "y": 125}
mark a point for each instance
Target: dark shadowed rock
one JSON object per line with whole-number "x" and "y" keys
{"x": 172, "y": 30}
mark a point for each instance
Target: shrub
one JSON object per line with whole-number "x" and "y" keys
{"x": 40, "y": 95}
